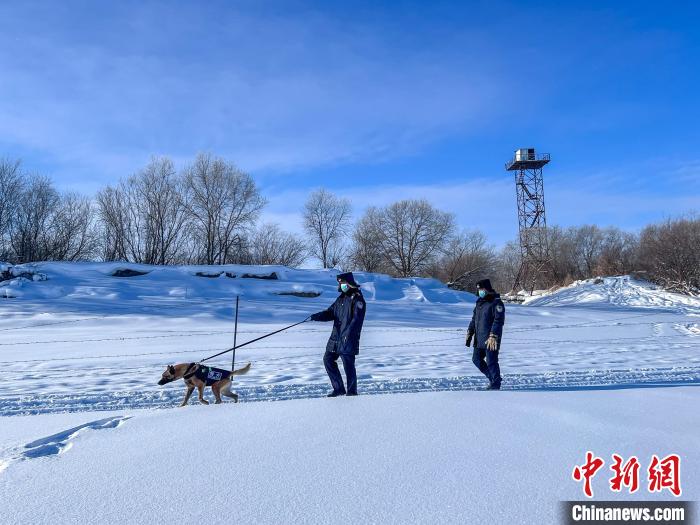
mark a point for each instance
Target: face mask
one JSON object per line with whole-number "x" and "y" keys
{"x": 344, "y": 287}
{"x": 482, "y": 293}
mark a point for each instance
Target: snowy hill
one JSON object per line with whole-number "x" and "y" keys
{"x": 109, "y": 282}
{"x": 622, "y": 291}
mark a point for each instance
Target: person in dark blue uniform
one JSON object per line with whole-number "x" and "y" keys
{"x": 486, "y": 329}
{"x": 347, "y": 314}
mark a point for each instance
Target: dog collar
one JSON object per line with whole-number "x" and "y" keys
{"x": 189, "y": 374}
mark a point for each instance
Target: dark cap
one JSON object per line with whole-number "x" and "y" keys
{"x": 485, "y": 284}
{"x": 347, "y": 278}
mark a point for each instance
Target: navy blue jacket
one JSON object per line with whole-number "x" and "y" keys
{"x": 488, "y": 318}
{"x": 347, "y": 314}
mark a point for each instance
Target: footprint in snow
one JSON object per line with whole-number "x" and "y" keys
{"x": 60, "y": 442}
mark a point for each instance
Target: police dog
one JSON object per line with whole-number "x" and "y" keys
{"x": 194, "y": 377}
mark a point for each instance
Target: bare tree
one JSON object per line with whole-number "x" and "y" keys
{"x": 669, "y": 254}
{"x": 222, "y": 203}
{"x": 562, "y": 259}
{"x": 466, "y": 260}
{"x": 144, "y": 217}
{"x": 413, "y": 235}
{"x": 366, "y": 254}
{"x": 32, "y": 223}
{"x": 268, "y": 244}
{"x": 618, "y": 254}
{"x": 588, "y": 245}
{"x": 113, "y": 211}
{"x": 507, "y": 266}
{"x": 327, "y": 222}
{"x": 38, "y": 223}
{"x": 161, "y": 191}
{"x": 11, "y": 181}
{"x": 74, "y": 234}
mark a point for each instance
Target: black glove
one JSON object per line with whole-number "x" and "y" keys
{"x": 314, "y": 317}
{"x": 469, "y": 338}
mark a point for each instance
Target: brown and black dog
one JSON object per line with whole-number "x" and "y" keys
{"x": 201, "y": 376}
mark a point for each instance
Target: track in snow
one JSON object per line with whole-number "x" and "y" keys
{"x": 549, "y": 381}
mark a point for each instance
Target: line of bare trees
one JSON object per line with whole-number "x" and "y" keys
{"x": 403, "y": 239}
{"x": 38, "y": 223}
{"x": 208, "y": 213}
{"x": 667, "y": 253}
{"x": 400, "y": 239}
{"x": 413, "y": 238}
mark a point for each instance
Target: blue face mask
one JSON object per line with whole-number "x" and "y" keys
{"x": 344, "y": 287}
{"x": 482, "y": 293}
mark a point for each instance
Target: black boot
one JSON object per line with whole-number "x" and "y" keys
{"x": 335, "y": 394}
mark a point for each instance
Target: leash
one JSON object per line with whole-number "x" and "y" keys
{"x": 235, "y": 339}
{"x": 254, "y": 340}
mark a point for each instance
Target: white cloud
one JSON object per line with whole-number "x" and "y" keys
{"x": 273, "y": 93}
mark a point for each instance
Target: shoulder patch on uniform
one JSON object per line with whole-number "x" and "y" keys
{"x": 361, "y": 305}
{"x": 499, "y": 307}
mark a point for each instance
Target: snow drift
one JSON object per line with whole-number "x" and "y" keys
{"x": 129, "y": 282}
{"x": 624, "y": 291}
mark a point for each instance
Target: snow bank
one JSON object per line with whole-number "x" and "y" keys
{"x": 623, "y": 291}
{"x": 467, "y": 457}
{"x": 128, "y": 282}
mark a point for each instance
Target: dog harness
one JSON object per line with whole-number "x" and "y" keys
{"x": 209, "y": 375}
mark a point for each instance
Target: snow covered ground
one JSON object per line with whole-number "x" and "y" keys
{"x": 447, "y": 457}
{"x": 85, "y": 340}
{"x": 586, "y": 367}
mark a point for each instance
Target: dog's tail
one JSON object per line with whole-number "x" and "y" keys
{"x": 241, "y": 371}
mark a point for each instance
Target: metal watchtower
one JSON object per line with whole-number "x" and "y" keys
{"x": 532, "y": 221}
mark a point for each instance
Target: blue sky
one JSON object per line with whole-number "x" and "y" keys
{"x": 374, "y": 100}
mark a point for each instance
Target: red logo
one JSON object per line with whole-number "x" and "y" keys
{"x": 587, "y": 471}
{"x": 663, "y": 473}
{"x": 626, "y": 475}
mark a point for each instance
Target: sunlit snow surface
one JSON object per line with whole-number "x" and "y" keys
{"x": 587, "y": 368}
{"x": 85, "y": 340}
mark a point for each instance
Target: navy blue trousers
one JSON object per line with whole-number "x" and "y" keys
{"x": 487, "y": 362}
{"x": 330, "y": 361}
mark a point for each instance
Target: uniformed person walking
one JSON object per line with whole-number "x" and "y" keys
{"x": 347, "y": 314}
{"x": 486, "y": 329}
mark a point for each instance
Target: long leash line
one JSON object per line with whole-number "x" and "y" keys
{"x": 235, "y": 337}
{"x": 254, "y": 340}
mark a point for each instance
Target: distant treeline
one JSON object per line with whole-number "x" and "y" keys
{"x": 208, "y": 212}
